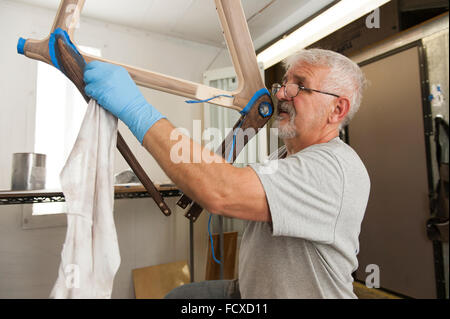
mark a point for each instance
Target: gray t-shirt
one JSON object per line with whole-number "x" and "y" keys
{"x": 317, "y": 199}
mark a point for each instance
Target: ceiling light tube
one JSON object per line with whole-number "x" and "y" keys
{"x": 339, "y": 15}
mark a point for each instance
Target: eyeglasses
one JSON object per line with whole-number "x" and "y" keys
{"x": 291, "y": 90}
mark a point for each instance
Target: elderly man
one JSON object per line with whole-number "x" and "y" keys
{"x": 301, "y": 240}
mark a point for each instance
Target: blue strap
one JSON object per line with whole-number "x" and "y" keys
{"x": 255, "y": 97}
{"x": 211, "y": 239}
{"x": 230, "y": 155}
{"x": 244, "y": 112}
{"x": 207, "y": 100}
{"x": 52, "y": 45}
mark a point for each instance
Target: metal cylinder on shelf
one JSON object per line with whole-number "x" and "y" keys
{"x": 28, "y": 171}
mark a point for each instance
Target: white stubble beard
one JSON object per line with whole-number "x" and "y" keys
{"x": 288, "y": 130}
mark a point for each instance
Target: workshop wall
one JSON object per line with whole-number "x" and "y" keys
{"x": 29, "y": 259}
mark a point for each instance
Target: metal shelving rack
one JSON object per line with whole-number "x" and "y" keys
{"x": 9, "y": 197}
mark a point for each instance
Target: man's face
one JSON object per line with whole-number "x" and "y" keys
{"x": 306, "y": 113}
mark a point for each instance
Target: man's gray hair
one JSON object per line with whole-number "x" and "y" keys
{"x": 345, "y": 77}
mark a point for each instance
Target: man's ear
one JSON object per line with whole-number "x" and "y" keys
{"x": 340, "y": 110}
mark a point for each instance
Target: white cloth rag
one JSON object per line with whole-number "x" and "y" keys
{"x": 90, "y": 256}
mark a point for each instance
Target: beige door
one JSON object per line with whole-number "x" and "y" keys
{"x": 388, "y": 134}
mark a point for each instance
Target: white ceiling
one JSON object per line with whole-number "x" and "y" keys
{"x": 196, "y": 20}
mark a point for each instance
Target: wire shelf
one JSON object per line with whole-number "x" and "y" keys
{"x": 121, "y": 192}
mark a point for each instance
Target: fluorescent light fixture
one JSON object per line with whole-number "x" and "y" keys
{"x": 339, "y": 15}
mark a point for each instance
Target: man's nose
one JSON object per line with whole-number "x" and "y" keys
{"x": 281, "y": 94}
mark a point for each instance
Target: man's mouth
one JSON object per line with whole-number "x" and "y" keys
{"x": 284, "y": 108}
{"x": 284, "y": 121}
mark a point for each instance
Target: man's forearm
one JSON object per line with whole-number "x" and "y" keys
{"x": 207, "y": 178}
{"x": 196, "y": 176}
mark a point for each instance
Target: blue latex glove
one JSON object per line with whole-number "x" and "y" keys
{"x": 113, "y": 88}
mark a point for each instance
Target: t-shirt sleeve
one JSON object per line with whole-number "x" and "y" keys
{"x": 304, "y": 193}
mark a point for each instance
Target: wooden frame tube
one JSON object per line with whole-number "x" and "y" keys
{"x": 72, "y": 65}
{"x": 240, "y": 45}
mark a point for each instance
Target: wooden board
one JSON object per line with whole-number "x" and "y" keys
{"x": 155, "y": 282}
{"x": 230, "y": 246}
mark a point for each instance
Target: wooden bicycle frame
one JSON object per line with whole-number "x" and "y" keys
{"x": 238, "y": 39}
